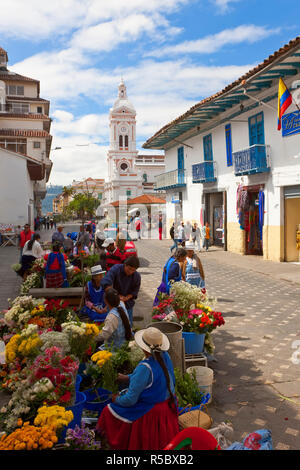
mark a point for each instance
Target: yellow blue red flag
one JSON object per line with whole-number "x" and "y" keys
{"x": 284, "y": 100}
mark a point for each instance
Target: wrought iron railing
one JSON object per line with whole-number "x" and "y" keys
{"x": 254, "y": 159}
{"x": 204, "y": 172}
{"x": 170, "y": 179}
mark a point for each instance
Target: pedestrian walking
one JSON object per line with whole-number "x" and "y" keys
{"x": 25, "y": 236}
{"x": 207, "y": 236}
{"x": 58, "y": 236}
{"x": 138, "y": 225}
{"x": 196, "y": 235}
{"x": 160, "y": 226}
{"x": 181, "y": 234}
{"x": 174, "y": 237}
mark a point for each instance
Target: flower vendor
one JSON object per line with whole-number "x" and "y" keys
{"x": 94, "y": 296}
{"x": 144, "y": 416}
{"x": 79, "y": 247}
{"x": 32, "y": 250}
{"x": 113, "y": 254}
{"x": 171, "y": 272}
{"x": 55, "y": 271}
{"x": 116, "y": 329}
{"x": 192, "y": 271}
{"x": 127, "y": 282}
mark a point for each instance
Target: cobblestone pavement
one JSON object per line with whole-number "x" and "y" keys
{"x": 253, "y": 367}
{"x": 253, "y": 350}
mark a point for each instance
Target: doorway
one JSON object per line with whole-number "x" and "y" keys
{"x": 253, "y": 243}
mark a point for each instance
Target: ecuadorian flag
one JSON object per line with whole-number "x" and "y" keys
{"x": 284, "y": 100}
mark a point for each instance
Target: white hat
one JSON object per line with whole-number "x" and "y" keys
{"x": 190, "y": 246}
{"x": 108, "y": 241}
{"x": 97, "y": 270}
{"x": 151, "y": 339}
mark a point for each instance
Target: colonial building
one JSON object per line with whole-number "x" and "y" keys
{"x": 94, "y": 186}
{"x": 129, "y": 174}
{"x": 25, "y": 143}
{"x": 233, "y": 168}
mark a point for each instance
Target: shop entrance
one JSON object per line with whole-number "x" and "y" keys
{"x": 291, "y": 222}
{"x": 253, "y": 243}
{"x": 214, "y": 214}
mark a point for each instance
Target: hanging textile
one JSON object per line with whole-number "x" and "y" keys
{"x": 261, "y": 210}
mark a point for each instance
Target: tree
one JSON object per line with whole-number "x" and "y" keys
{"x": 84, "y": 205}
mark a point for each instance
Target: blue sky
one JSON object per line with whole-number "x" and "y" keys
{"x": 171, "y": 54}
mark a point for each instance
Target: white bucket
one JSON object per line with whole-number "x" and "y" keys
{"x": 204, "y": 377}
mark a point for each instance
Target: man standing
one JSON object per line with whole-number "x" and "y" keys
{"x": 196, "y": 235}
{"x": 25, "y": 235}
{"x": 127, "y": 282}
{"x": 181, "y": 233}
{"x": 58, "y": 236}
{"x": 83, "y": 237}
{"x": 138, "y": 225}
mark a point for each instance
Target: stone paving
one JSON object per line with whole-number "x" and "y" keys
{"x": 256, "y": 383}
{"x": 253, "y": 350}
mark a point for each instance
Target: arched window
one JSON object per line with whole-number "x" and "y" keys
{"x": 126, "y": 141}
{"x": 120, "y": 141}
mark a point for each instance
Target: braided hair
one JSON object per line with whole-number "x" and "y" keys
{"x": 113, "y": 299}
{"x": 156, "y": 354}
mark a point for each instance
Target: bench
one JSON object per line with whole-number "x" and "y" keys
{"x": 71, "y": 294}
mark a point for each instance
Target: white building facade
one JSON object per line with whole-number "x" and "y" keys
{"x": 25, "y": 144}
{"x": 233, "y": 168}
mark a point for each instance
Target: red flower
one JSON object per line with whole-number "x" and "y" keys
{"x": 66, "y": 397}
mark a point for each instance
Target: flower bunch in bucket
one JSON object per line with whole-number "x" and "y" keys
{"x": 202, "y": 319}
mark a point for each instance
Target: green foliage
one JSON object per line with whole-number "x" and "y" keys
{"x": 187, "y": 389}
{"x": 83, "y": 205}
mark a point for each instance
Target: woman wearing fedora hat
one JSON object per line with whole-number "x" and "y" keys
{"x": 144, "y": 416}
{"x": 94, "y": 306}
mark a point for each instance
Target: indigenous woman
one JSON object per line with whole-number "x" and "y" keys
{"x": 55, "y": 271}
{"x": 192, "y": 271}
{"x": 171, "y": 272}
{"x": 94, "y": 296}
{"x": 144, "y": 416}
{"x": 116, "y": 330}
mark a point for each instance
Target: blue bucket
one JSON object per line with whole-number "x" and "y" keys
{"x": 92, "y": 405}
{"x": 193, "y": 342}
{"x": 77, "y": 410}
{"x": 78, "y": 382}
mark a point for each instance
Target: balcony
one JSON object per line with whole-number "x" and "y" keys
{"x": 252, "y": 160}
{"x": 204, "y": 172}
{"x": 169, "y": 180}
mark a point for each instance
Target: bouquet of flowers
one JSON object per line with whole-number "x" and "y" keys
{"x": 29, "y": 437}
{"x": 20, "y": 312}
{"x": 59, "y": 309}
{"x": 52, "y": 338}
{"x": 81, "y": 338}
{"x": 61, "y": 370}
{"x": 201, "y": 319}
{"x": 33, "y": 281}
{"x": 81, "y": 438}
{"x": 24, "y": 346}
{"x": 54, "y": 416}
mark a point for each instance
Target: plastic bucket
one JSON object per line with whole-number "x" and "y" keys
{"x": 204, "y": 377}
{"x": 76, "y": 409}
{"x": 193, "y": 342}
{"x": 91, "y": 397}
{"x": 173, "y": 331}
{"x": 78, "y": 382}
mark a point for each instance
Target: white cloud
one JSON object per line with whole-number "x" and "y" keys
{"x": 223, "y": 6}
{"x": 36, "y": 19}
{"x": 214, "y": 42}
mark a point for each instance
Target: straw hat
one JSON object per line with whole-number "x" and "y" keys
{"x": 152, "y": 339}
{"x": 95, "y": 270}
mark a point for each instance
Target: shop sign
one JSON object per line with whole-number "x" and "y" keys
{"x": 291, "y": 124}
